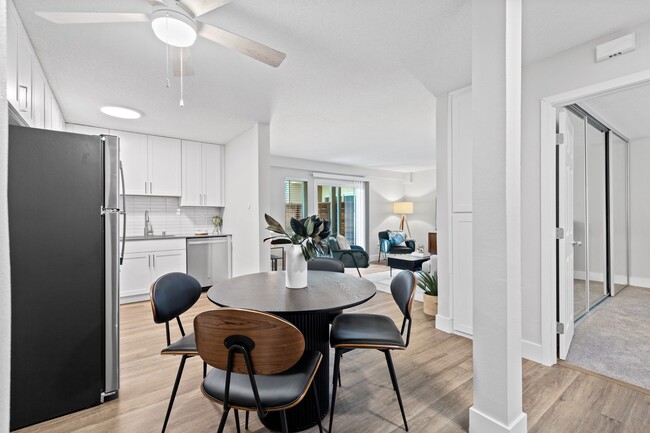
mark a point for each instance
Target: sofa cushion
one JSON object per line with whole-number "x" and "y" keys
{"x": 342, "y": 243}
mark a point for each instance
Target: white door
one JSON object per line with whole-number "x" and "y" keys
{"x": 133, "y": 153}
{"x": 164, "y": 166}
{"x": 192, "y": 184}
{"x": 565, "y": 222}
{"x": 212, "y": 170}
{"x": 135, "y": 274}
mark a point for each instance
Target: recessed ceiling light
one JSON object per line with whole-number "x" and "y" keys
{"x": 121, "y": 112}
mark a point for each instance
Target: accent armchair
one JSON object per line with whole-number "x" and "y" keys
{"x": 355, "y": 257}
{"x": 386, "y": 247}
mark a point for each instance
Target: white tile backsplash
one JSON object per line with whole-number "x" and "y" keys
{"x": 166, "y": 215}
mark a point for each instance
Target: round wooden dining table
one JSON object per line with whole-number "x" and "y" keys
{"x": 308, "y": 309}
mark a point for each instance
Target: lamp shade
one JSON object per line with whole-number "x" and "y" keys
{"x": 403, "y": 207}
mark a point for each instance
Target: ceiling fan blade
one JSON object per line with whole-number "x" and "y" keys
{"x": 93, "y": 17}
{"x": 157, "y": 3}
{"x": 175, "y": 56}
{"x": 200, "y": 7}
{"x": 239, "y": 43}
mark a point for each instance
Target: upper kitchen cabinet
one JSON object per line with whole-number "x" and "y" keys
{"x": 28, "y": 93}
{"x": 152, "y": 165}
{"x": 164, "y": 166}
{"x": 202, "y": 174}
{"x": 87, "y": 130}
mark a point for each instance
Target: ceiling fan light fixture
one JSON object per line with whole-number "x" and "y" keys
{"x": 173, "y": 27}
{"x": 120, "y": 112}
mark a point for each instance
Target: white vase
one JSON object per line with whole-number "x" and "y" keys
{"x": 296, "y": 272}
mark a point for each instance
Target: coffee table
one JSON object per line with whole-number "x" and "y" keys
{"x": 405, "y": 261}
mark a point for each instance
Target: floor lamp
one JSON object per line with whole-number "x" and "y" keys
{"x": 404, "y": 208}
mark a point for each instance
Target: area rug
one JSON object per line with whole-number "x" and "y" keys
{"x": 614, "y": 340}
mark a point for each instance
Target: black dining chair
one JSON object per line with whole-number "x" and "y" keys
{"x": 330, "y": 265}
{"x": 373, "y": 331}
{"x": 260, "y": 363}
{"x": 172, "y": 295}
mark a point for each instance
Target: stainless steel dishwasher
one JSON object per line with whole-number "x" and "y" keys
{"x": 209, "y": 259}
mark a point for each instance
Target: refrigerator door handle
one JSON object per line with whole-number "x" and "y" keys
{"x": 123, "y": 212}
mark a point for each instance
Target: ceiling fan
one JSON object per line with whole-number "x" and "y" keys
{"x": 176, "y": 25}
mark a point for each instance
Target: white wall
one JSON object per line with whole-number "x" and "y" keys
{"x": 640, "y": 212}
{"x": 5, "y": 276}
{"x": 385, "y": 187}
{"x": 246, "y": 191}
{"x": 566, "y": 71}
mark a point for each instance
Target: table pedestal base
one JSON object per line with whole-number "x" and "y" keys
{"x": 315, "y": 328}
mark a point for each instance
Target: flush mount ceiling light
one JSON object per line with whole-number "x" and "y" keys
{"x": 173, "y": 27}
{"x": 121, "y": 112}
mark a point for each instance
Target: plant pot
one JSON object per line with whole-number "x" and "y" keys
{"x": 296, "y": 269}
{"x": 430, "y": 305}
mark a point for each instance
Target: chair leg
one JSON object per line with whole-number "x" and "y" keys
{"x": 283, "y": 419}
{"x": 393, "y": 378}
{"x": 337, "y": 361}
{"x": 205, "y": 369}
{"x": 224, "y": 417}
{"x": 246, "y": 425}
{"x": 173, "y": 396}
{"x": 237, "y": 420}
{"x": 313, "y": 387}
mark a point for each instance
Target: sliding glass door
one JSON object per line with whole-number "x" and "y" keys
{"x": 344, "y": 205}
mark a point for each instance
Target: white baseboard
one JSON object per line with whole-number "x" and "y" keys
{"x": 444, "y": 323}
{"x": 136, "y": 297}
{"x": 481, "y": 423}
{"x": 640, "y": 282}
{"x": 531, "y": 351}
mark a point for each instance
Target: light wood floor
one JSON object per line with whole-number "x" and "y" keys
{"x": 434, "y": 373}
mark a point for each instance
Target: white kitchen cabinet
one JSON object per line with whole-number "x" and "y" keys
{"x": 38, "y": 97}
{"x": 57, "y": 119}
{"x": 24, "y": 81}
{"x": 84, "y": 129}
{"x": 164, "y": 166}
{"x": 48, "y": 108}
{"x": 202, "y": 183}
{"x": 145, "y": 261}
{"x": 12, "y": 59}
{"x": 152, "y": 165}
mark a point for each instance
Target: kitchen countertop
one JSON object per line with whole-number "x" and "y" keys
{"x": 175, "y": 236}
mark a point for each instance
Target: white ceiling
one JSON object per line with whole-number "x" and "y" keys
{"x": 627, "y": 111}
{"x": 356, "y": 87}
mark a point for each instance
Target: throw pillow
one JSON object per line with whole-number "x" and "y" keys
{"x": 343, "y": 243}
{"x": 397, "y": 240}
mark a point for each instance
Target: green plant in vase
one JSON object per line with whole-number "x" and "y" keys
{"x": 429, "y": 283}
{"x": 307, "y": 233}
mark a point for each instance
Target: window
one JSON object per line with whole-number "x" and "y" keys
{"x": 295, "y": 201}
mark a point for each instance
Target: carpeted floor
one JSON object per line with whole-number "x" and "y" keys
{"x": 614, "y": 340}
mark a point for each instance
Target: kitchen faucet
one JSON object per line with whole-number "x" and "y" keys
{"x": 148, "y": 228}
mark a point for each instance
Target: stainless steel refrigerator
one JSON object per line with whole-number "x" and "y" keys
{"x": 64, "y": 212}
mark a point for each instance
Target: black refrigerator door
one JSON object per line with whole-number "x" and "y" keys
{"x": 57, "y": 273}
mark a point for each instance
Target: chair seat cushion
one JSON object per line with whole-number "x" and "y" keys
{"x": 184, "y": 346}
{"x": 275, "y": 391}
{"x": 365, "y": 329}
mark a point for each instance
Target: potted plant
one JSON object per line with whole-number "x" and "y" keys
{"x": 429, "y": 283}
{"x": 304, "y": 241}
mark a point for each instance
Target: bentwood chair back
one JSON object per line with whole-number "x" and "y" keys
{"x": 373, "y": 331}
{"x": 172, "y": 295}
{"x": 259, "y": 361}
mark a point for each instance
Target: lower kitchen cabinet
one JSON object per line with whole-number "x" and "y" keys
{"x": 150, "y": 260}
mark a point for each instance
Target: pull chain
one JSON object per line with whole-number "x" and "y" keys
{"x": 181, "y": 56}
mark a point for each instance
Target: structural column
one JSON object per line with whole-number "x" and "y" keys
{"x": 496, "y": 192}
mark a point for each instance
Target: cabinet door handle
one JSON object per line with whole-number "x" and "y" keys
{"x": 149, "y": 257}
{"x": 205, "y": 199}
{"x": 200, "y": 199}
{"x": 145, "y": 188}
{"x": 154, "y": 261}
{"x": 22, "y": 98}
{"x": 150, "y": 188}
